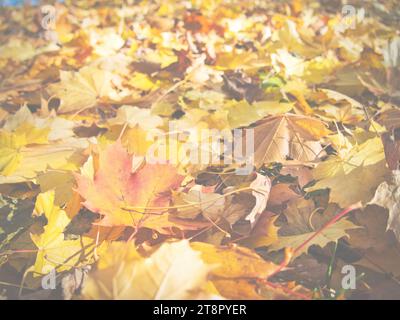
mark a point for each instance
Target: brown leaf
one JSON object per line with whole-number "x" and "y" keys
{"x": 387, "y": 195}
{"x": 288, "y": 137}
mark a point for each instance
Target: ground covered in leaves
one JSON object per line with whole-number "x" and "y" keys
{"x": 83, "y": 110}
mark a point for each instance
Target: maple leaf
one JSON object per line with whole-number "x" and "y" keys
{"x": 115, "y": 185}
{"x": 346, "y": 109}
{"x": 353, "y": 174}
{"x": 278, "y": 138}
{"x": 23, "y": 164}
{"x": 54, "y": 252}
{"x": 373, "y": 235}
{"x": 84, "y": 89}
{"x": 303, "y": 222}
{"x": 25, "y": 152}
{"x": 387, "y": 195}
{"x": 37, "y": 129}
{"x": 29, "y": 145}
{"x": 174, "y": 271}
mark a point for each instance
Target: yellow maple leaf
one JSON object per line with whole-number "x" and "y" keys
{"x": 354, "y": 173}
{"x": 84, "y": 89}
{"x": 54, "y": 252}
{"x": 12, "y": 142}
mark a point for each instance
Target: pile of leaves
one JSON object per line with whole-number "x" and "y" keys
{"x": 81, "y": 200}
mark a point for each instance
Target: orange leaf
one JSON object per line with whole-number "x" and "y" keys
{"x": 114, "y": 186}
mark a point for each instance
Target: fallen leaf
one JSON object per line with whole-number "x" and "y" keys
{"x": 284, "y": 137}
{"x": 174, "y": 271}
{"x": 84, "y": 89}
{"x": 115, "y": 186}
{"x": 353, "y": 174}
{"x": 54, "y": 252}
{"x": 304, "y": 221}
{"x": 387, "y": 195}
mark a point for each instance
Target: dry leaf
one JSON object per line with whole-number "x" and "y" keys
{"x": 174, "y": 271}
{"x": 280, "y": 138}
{"x": 115, "y": 186}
